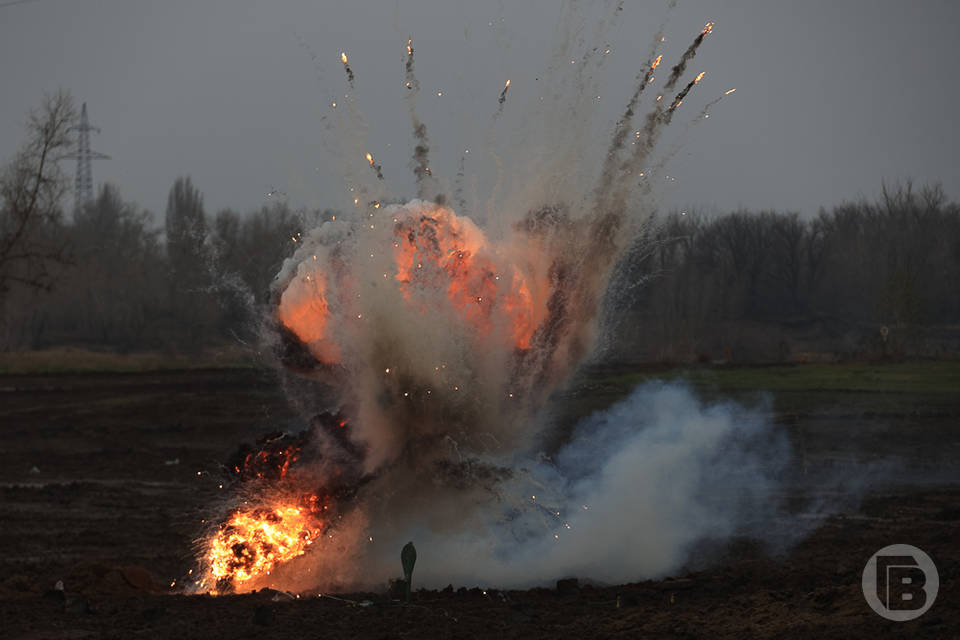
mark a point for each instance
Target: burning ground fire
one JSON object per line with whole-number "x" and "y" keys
{"x": 254, "y": 542}
{"x": 438, "y": 343}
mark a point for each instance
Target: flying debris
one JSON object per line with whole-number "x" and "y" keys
{"x": 420, "y": 162}
{"x": 346, "y": 67}
{"x": 687, "y": 56}
{"x": 375, "y": 166}
{"x": 503, "y": 94}
{"x": 683, "y": 94}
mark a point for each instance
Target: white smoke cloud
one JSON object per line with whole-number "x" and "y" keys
{"x": 635, "y": 488}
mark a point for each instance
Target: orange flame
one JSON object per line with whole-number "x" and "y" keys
{"x": 707, "y": 28}
{"x": 304, "y": 310}
{"x": 656, "y": 63}
{"x": 439, "y": 252}
{"x": 343, "y": 57}
{"x": 699, "y": 77}
{"x": 370, "y": 159}
{"x": 252, "y": 543}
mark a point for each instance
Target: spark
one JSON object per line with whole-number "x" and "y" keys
{"x": 656, "y": 63}
{"x": 726, "y": 93}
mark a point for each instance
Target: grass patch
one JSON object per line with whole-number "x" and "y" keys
{"x": 896, "y": 377}
{"x": 78, "y": 360}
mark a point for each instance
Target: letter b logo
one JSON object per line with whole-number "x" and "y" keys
{"x": 900, "y": 582}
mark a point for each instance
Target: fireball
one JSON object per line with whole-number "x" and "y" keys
{"x": 253, "y": 542}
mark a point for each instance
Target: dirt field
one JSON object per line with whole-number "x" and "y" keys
{"x": 106, "y": 479}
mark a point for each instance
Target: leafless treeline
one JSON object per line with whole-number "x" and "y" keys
{"x": 865, "y": 278}
{"x": 126, "y": 284}
{"x": 862, "y": 279}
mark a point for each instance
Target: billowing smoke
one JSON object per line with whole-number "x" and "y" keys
{"x": 425, "y": 352}
{"x": 629, "y": 495}
{"x": 633, "y": 491}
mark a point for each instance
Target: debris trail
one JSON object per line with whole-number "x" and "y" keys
{"x": 706, "y": 109}
{"x": 678, "y": 100}
{"x": 458, "y": 198}
{"x": 346, "y": 67}
{"x": 624, "y": 125}
{"x": 503, "y": 94}
{"x": 376, "y": 167}
{"x": 687, "y": 56}
{"x": 420, "y": 161}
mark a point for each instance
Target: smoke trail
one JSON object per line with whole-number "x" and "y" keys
{"x": 346, "y": 67}
{"x": 420, "y": 162}
{"x": 458, "y": 198}
{"x": 624, "y": 125}
{"x": 503, "y": 95}
{"x": 678, "y": 100}
{"x": 706, "y": 109}
{"x": 376, "y": 167}
{"x": 687, "y": 56}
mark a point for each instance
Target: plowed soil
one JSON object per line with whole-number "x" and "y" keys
{"x": 105, "y": 480}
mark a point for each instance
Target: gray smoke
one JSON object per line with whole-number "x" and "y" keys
{"x": 626, "y": 499}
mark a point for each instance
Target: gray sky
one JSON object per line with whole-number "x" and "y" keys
{"x": 832, "y": 97}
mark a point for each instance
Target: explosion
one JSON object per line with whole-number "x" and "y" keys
{"x": 253, "y": 542}
{"x": 437, "y": 342}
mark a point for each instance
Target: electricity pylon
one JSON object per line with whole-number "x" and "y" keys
{"x": 83, "y": 186}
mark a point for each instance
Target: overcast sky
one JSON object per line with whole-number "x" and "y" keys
{"x": 832, "y": 97}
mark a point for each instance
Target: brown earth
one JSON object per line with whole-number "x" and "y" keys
{"x": 106, "y": 479}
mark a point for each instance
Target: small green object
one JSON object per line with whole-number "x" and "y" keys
{"x": 408, "y": 558}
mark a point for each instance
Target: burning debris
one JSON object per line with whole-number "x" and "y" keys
{"x": 347, "y": 69}
{"x": 253, "y": 542}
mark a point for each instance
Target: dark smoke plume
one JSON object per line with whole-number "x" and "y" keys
{"x": 687, "y": 56}
{"x": 420, "y": 161}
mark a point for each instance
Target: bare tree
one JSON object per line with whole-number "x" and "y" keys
{"x": 32, "y": 186}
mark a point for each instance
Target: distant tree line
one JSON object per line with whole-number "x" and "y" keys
{"x": 122, "y": 283}
{"x": 863, "y": 279}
